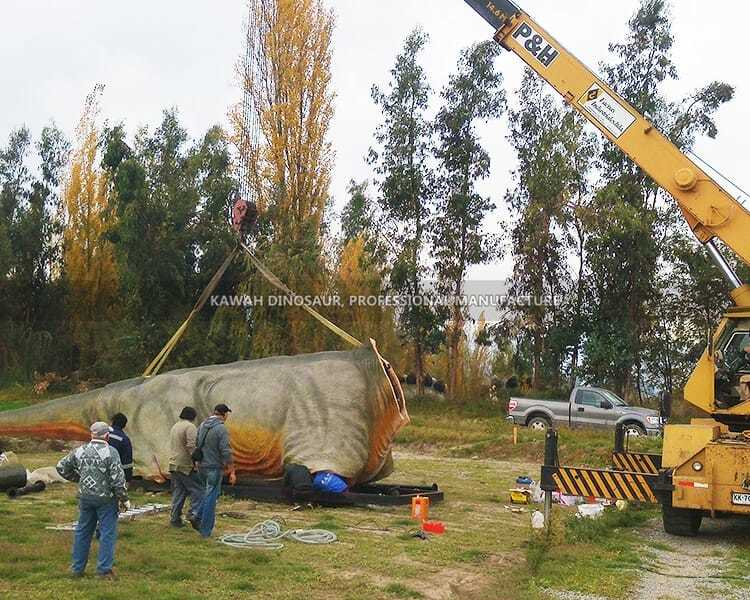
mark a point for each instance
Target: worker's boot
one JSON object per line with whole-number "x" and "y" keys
{"x": 108, "y": 575}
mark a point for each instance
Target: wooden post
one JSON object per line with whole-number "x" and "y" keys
{"x": 515, "y": 434}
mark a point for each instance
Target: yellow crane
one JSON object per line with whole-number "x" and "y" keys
{"x": 705, "y": 466}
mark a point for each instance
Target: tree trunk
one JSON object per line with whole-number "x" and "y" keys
{"x": 536, "y": 367}
{"x": 419, "y": 367}
{"x": 454, "y": 344}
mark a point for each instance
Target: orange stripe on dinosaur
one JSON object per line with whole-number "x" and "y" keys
{"x": 55, "y": 431}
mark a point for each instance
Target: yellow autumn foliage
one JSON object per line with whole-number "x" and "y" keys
{"x": 89, "y": 259}
{"x": 473, "y": 367}
{"x": 281, "y": 134}
{"x": 288, "y": 82}
{"x": 357, "y": 277}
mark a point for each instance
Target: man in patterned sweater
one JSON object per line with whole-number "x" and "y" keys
{"x": 101, "y": 485}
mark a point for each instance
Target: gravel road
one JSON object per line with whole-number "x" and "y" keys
{"x": 679, "y": 568}
{"x": 688, "y": 566}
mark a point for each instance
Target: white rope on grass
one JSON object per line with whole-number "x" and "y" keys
{"x": 268, "y": 535}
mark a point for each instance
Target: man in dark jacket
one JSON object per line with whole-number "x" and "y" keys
{"x": 213, "y": 440}
{"x": 120, "y": 441}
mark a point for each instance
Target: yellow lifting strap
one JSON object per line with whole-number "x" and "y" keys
{"x": 277, "y": 283}
{"x": 156, "y": 364}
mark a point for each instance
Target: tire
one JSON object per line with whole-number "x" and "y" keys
{"x": 684, "y": 522}
{"x": 634, "y": 430}
{"x": 539, "y": 424}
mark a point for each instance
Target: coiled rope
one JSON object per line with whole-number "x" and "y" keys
{"x": 268, "y": 535}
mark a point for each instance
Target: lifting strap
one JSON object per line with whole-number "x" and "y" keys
{"x": 156, "y": 364}
{"x": 278, "y": 284}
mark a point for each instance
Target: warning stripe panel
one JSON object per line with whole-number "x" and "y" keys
{"x": 599, "y": 483}
{"x": 639, "y": 462}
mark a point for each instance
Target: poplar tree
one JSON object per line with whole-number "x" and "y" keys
{"x": 282, "y": 136}
{"x": 89, "y": 257}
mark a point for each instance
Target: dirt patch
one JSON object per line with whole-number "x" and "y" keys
{"x": 450, "y": 584}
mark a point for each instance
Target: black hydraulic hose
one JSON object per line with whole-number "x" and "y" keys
{"x": 36, "y": 487}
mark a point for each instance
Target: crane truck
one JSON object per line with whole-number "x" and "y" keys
{"x": 704, "y": 468}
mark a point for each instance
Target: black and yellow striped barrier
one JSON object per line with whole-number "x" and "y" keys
{"x": 640, "y": 462}
{"x": 601, "y": 483}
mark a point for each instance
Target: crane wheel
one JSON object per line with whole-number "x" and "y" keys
{"x": 680, "y": 521}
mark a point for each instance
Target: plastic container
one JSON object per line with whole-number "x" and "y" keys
{"x": 592, "y": 511}
{"x": 420, "y": 508}
{"x": 537, "y": 520}
{"x": 433, "y": 526}
{"x": 519, "y": 496}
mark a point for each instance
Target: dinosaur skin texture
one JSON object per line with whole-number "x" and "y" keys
{"x": 332, "y": 411}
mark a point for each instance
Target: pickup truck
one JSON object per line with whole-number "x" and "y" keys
{"x": 586, "y": 407}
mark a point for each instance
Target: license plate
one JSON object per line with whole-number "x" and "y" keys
{"x": 740, "y": 498}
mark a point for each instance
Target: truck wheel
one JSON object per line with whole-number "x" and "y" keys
{"x": 634, "y": 430}
{"x": 681, "y": 521}
{"x": 539, "y": 424}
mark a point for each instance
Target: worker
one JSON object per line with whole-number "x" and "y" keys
{"x": 185, "y": 479}
{"x": 213, "y": 444}
{"x": 101, "y": 486}
{"x": 120, "y": 441}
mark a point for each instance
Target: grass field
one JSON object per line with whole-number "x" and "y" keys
{"x": 486, "y": 552}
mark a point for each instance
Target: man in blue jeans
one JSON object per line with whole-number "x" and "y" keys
{"x": 213, "y": 440}
{"x": 101, "y": 484}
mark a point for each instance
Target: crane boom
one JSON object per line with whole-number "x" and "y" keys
{"x": 711, "y": 456}
{"x": 710, "y": 211}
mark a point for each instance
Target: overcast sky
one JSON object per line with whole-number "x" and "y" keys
{"x": 153, "y": 55}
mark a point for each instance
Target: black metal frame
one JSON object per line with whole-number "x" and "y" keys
{"x": 273, "y": 490}
{"x": 639, "y": 484}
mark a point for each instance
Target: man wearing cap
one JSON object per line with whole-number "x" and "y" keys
{"x": 101, "y": 484}
{"x": 213, "y": 441}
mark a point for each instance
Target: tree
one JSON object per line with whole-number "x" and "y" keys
{"x": 549, "y": 199}
{"x": 286, "y": 75}
{"x": 474, "y": 94}
{"x": 405, "y": 185}
{"x": 633, "y": 219}
{"x": 362, "y": 275}
{"x": 89, "y": 256}
{"x": 170, "y": 205}
{"x": 358, "y": 215}
{"x": 32, "y": 328}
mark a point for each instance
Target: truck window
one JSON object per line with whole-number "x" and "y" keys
{"x": 589, "y": 398}
{"x": 614, "y": 398}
